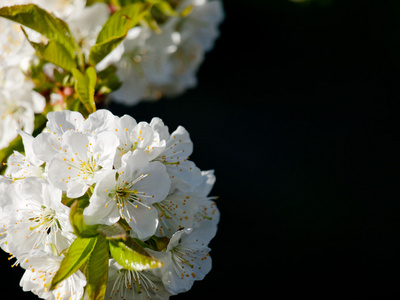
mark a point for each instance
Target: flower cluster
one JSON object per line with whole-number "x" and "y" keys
{"x": 151, "y": 64}
{"x": 133, "y": 186}
{"x": 159, "y": 56}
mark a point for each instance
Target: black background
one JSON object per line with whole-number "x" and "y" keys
{"x": 297, "y": 110}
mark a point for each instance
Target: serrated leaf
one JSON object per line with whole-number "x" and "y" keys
{"x": 84, "y": 86}
{"x": 77, "y": 254}
{"x": 40, "y": 20}
{"x": 114, "y": 231}
{"x": 132, "y": 256}
{"x": 115, "y": 30}
{"x": 54, "y": 52}
{"x": 97, "y": 270}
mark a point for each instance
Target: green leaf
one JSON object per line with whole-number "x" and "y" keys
{"x": 97, "y": 270}
{"x": 38, "y": 19}
{"x": 84, "y": 86}
{"x": 78, "y": 223}
{"x": 132, "y": 256}
{"x": 54, "y": 52}
{"x": 152, "y": 23}
{"x": 114, "y": 231}
{"x": 166, "y": 8}
{"x": 115, "y": 30}
{"x": 129, "y": 15}
{"x": 77, "y": 254}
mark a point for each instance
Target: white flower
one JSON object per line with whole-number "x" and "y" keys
{"x": 186, "y": 258}
{"x": 207, "y": 210}
{"x": 203, "y": 21}
{"x": 176, "y": 156}
{"x": 39, "y": 219}
{"x": 82, "y": 160}
{"x": 187, "y": 210}
{"x": 145, "y": 65}
{"x": 20, "y": 166}
{"x": 198, "y": 32}
{"x": 134, "y": 136}
{"x": 78, "y": 151}
{"x": 41, "y": 267}
{"x": 13, "y": 44}
{"x": 127, "y": 284}
{"x": 137, "y": 172}
{"x": 47, "y": 144}
{"x": 18, "y": 104}
{"x": 129, "y": 193}
{"x": 175, "y": 212}
{"x": 186, "y": 61}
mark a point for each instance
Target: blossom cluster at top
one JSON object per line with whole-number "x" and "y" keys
{"x": 150, "y": 62}
{"x": 138, "y": 175}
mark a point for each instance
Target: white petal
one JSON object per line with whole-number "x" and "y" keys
{"x": 102, "y": 208}
{"x": 45, "y": 146}
{"x": 143, "y": 221}
{"x": 62, "y": 121}
{"x": 155, "y": 185}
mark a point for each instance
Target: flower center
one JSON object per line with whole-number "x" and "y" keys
{"x": 89, "y": 167}
{"x": 44, "y": 223}
{"x": 127, "y": 197}
{"x": 129, "y": 281}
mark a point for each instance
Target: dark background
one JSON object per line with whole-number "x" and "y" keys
{"x": 297, "y": 110}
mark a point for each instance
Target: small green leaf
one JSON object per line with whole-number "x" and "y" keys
{"x": 115, "y": 30}
{"x": 152, "y": 23}
{"x": 97, "y": 270}
{"x": 129, "y": 15}
{"x": 114, "y": 231}
{"x": 132, "y": 256}
{"x": 54, "y": 52}
{"x": 78, "y": 223}
{"x": 84, "y": 86}
{"x": 40, "y": 20}
{"x": 101, "y": 50}
{"x": 166, "y": 8}
{"x": 77, "y": 254}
